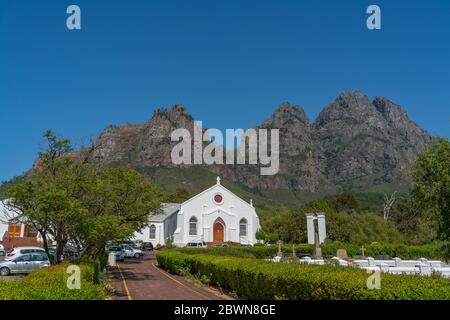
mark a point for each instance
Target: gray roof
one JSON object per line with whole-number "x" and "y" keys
{"x": 166, "y": 210}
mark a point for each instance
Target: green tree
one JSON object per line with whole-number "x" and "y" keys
{"x": 418, "y": 225}
{"x": 72, "y": 202}
{"x": 179, "y": 196}
{"x": 431, "y": 183}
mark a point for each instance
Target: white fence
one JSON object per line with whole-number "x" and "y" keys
{"x": 422, "y": 266}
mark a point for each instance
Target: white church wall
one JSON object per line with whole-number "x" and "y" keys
{"x": 144, "y": 235}
{"x": 203, "y": 207}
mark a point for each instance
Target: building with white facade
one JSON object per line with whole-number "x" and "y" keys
{"x": 215, "y": 215}
{"x": 14, "y": 233}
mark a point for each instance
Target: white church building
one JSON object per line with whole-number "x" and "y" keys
{"x": 215, "y": 215}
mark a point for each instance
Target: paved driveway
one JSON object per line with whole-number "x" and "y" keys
{"x": 141, "y": 279}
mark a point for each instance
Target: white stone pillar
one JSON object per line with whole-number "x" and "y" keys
{"x": 322, "y": 227}
{"x": 111, "y": 259}
{"x": 425, "y": 269}
{"x": 22, "y": 230}
{"x": 310, "y": 227}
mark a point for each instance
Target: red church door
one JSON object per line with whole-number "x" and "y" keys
{"x": 218, "y": 232}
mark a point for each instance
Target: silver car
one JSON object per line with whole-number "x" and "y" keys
{"x": 131, "y": 252}
{"x": 19, "y": 251}
{"x": 26, "y": 263}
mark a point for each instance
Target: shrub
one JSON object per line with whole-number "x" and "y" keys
{"x": 220, "y": 251}
{"x": 51, "y": 284}
{"x": 257, "y": 279}
{"x": 96, "y": 276}
{"x": 375, "y": 249}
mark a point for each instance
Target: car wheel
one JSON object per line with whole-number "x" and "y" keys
{"x": 5, "y": 271}
{"x": 137, "y": 255}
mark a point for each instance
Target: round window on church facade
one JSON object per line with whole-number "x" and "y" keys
{"x": 218, "y": 198}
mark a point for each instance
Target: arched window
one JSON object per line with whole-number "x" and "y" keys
{"x": 193, "y": 226}
{"x": 243, "y": 228}
{"x": 152, "y": 231}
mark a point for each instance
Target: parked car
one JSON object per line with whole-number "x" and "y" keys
{"x": 196, "y": 244}
{"x": 131, "y": 252}
{"x": 134, "y": 244}
{"x": 118, "y": 252}
{"x": 246, "y": 245}
{"x": 147, "y": 246}
{"x": 2, "y": 250}
{"x": 69, "y": 252}
{"x": 20, "y": 251}
{"x": 138, "y": 244}
{"x": 25, "y": 263}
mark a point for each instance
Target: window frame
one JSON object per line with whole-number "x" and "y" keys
{"x": 193, "y": 222}
{"x": 243, "y": 232}
{"x": 152, "y": 229}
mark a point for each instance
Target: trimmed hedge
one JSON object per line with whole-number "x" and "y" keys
{"x": 238, "y": 252}
{"x": 51, "y": 284}
{"x": 258, "y": 279}
{"x": 428, "y": 251}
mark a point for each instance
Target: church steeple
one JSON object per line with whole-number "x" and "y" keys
{"x": 218, "y": 180}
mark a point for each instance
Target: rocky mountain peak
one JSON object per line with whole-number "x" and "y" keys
{"x": 398, "y": 121}
{"x": 353, "y": 107}
{"x": 354, "y": 143}
{"x": 177, "y": 116}
{"x": 348, "y": 99}
{"x": 287, "y": 116}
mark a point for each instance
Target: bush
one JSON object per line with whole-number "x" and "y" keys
{"x": 257, "y": 279}
{"x": 375, "y": 249}
{"x": 220, "y": 251}
{"x": 51, "y": 284}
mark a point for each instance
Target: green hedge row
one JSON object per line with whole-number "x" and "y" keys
{"x": 258, "y": 279}
{"x": 51, "y": 284}
{"x": 429, "y": 251}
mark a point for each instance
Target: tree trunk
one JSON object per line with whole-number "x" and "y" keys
{"x": 45, "y": 241}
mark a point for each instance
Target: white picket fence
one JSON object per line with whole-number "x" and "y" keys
{"x": 421, "y": 266}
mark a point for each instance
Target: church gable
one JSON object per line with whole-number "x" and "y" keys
{"x": 215, "y": 215}
{"x": 218, "y": 196}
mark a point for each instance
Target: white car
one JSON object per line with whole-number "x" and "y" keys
{"x": 131, "y": 252}
{"x": 196, "y": 244}
{"x": 20, "y": 251}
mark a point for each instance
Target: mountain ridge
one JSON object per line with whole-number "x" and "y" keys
{"x": 353, "y": 144}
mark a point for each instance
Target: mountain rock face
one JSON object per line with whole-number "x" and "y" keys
{"x": 354, "y": 142}
{"x": 145, "y": 145}
{"x": 363, "y": 139}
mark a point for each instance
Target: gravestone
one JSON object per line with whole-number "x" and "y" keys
{"x": 279, "y": 253}
{"x": 384, "y": 256}
{"x": 342, "y": 254}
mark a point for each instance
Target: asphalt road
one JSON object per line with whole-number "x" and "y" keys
{"x": 141, "y": 279}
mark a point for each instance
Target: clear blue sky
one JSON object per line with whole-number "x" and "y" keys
{"x": 231, "y": 63}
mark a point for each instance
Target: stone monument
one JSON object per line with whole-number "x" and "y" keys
{"x": 317, "y": 254}
{"x": 342, "y": 254}
{"x": 316, "y": 222}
